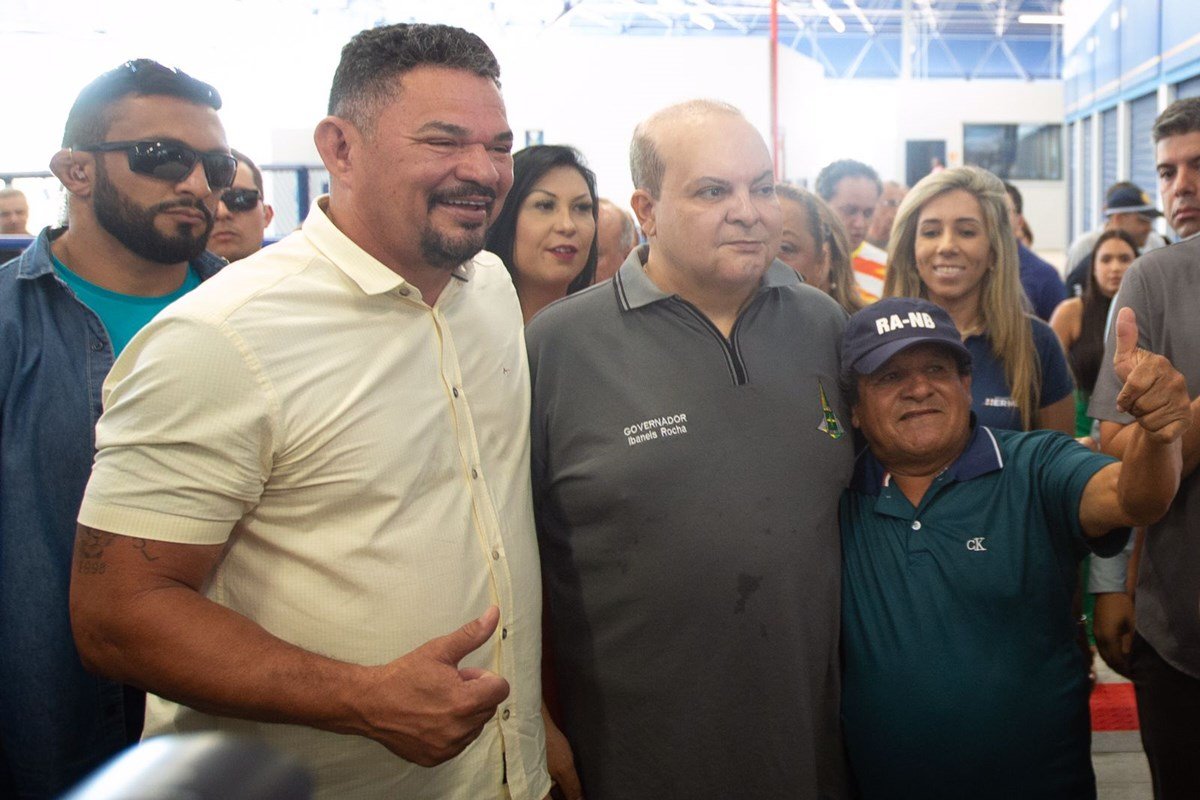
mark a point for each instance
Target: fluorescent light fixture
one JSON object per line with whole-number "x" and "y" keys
{"x": 1041, "y": 19}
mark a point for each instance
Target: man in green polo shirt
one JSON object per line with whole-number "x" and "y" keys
{"x": 960, "y": 545}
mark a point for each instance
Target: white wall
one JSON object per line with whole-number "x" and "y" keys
{"x": 591, "y": 92}
{"x": 882, "y": 115}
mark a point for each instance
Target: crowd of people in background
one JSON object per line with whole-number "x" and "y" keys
{"x": 800, "y": 478}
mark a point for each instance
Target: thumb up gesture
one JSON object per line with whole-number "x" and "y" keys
{"x": 1154, "y": 392}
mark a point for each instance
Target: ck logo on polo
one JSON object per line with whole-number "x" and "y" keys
{"x": 976, "y": 544}
{"x": 829, "y": 422}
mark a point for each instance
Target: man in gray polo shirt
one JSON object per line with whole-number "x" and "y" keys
{"x": 1163, "y": 287}
{"x": 689, "y": 449}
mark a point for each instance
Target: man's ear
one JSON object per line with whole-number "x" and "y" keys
{"x": 337, "y": 140}
{"x": 644, "y": 206}
{"x": 268, "y": 215}
{"x": 76, "y": 171}
{"x": 854, "y": 416}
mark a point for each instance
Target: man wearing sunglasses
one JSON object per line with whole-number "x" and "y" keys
{"x": 242, "y": 215}
{"x": 142, "y": 155}
{"x": 310, "y": 520}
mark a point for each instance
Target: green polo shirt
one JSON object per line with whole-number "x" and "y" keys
{"x": 962, "y": 675}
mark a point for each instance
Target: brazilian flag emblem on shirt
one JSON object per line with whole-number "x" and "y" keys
{"x": 829, "y": 422}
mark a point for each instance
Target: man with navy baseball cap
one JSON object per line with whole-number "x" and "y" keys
{"x": 960, "y": 548}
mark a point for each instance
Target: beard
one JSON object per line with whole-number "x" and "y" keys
{"x": 133, "y": 225}
{"x": 447, "y": 251}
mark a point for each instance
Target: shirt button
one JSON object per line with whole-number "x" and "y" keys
{"x": 504, "y": 633}
{"x": 405, "y": 291}
{"x": 454, "y": 391}
{"x": 495, "y": 555}
{"x": 916, "y": 526}
{"x": 97, "y": 345}
{"x": 474, "y": 473}
{"x": 506, "y": 714}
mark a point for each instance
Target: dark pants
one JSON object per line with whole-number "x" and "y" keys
{"x": 1169, "y": 711}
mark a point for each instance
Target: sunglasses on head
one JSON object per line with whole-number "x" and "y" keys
{"x": 171, "y": 161}
{"x": 237, "y": 200}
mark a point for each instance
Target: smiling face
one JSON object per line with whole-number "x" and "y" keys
{"x": 952, "y": 249}
{"x": 797, "y": 247}
{"x": 555, "y": 229}
{"x": 915, "y": 410}
{"x": 1113, "y": 257}
{"x": 433, "y": 171}
{"x": 716, "y": 223}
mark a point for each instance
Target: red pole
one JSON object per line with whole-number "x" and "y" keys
{"x": 775, "y": 86}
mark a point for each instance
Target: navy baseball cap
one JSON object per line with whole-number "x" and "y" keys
{"x": 883, "y": 329}
{"x": 1130, "y": 200}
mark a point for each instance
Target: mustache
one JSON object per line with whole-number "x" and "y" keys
{"x": 462, "y": 192}
{"x": 186, "y": 202}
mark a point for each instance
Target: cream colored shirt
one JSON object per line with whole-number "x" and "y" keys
{"x": 366, "y": 457}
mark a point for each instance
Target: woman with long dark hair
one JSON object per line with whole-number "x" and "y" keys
{"x": 1079, "y": 322}
{"x": 546, "y": 232}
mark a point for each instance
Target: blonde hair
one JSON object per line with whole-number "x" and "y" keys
{"x": 1001, "y": 300}
{"x": 827, "y": 232}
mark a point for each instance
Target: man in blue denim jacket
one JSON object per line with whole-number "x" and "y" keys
{"x": 144, "y": 159}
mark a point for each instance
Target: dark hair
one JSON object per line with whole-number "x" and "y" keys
{"x": 89, "y": 119}
{"x": 1015, "y": 194}
{"x": 833, "y": 174}
{"x": 1087, "y": 352}
{"x": 1182, "y": 116}
{"x": 529, "y": 165}
{"x": 255, "y": 172}
{"x": 365, "y": 79}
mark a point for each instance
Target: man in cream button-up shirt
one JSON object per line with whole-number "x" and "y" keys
{"x": 310, "y": 511}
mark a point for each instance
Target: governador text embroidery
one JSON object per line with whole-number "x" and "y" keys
{"x": 656, "y": 428}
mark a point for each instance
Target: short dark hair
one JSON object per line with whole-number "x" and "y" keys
{"x": 1182, "y": 116}
{"x": 529, "y": 165}
{"x": 1015, "y": 194}
{"x": 371, "y": 61}
{"x": 89, "y": 118}
{"x": 833, "y": 174}
{"x": 255, "y": 172}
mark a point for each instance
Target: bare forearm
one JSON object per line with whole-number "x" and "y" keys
{"x": 1150, "y": 475}
{"x": 167, "y": 638}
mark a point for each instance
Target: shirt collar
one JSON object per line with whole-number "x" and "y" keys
{"x": 359, "y": 266}
{"x": 981, "y": 456}
{"x": 635, "y": 289}
{"x": 36, "y": 262}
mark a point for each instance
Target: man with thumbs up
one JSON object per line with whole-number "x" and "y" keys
{"x": 959, "y": 546}
{"x": 311, "y": 476}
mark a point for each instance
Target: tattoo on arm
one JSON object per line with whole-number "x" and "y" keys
{"x": 92, "y": 544}
{"x": 90, "y": 549}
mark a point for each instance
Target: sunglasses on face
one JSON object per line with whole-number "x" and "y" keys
{"x": 170, "y": 161}
{"x": 238, "y": 200}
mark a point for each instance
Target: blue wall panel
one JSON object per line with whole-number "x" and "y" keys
{"x": 1086, "y": 173}
{"x": 1142, "y": 112}
{"x": 1108, "y": 149}
{"x": 1180, "y": 35}
{"x": 1141, "y": 37}
{"x": 1188, "y": 88}
{"x": 1108, "y": 53}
